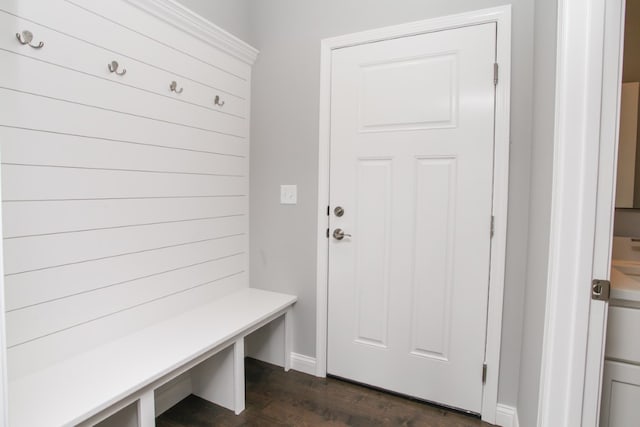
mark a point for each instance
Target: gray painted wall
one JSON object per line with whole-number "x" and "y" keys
{"x": 540, "y": 209}
{"x": 285, "y": 144}
{"x": 230, "y": 15}
{"x": 284, "y": 147}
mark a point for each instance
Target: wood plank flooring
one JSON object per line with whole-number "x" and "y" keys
{"x": 276, "y": 398}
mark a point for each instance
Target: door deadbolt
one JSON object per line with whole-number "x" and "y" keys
{"x": 338, "y": 234}
{"x": 339, "y": 211}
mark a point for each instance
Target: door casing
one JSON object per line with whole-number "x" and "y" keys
{"x": 588, "y": 73}
{"x": 502, "y": 17}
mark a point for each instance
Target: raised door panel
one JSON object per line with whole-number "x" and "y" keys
{"x": 372, "y": 259}
{"x": 433, "y": 257}
{"x": 421, "y": 91}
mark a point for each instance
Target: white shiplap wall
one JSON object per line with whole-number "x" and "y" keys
{"x": 123, "y": 202}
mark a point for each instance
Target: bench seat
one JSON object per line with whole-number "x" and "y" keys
{"x": 95, "y": 384}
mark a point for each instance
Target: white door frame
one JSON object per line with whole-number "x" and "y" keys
{"x": 502, "y": 17}
{"x": 585, "y": 152}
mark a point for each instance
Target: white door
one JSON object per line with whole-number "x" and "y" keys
{"x": 412, "y": 148}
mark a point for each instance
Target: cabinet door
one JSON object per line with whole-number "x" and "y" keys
{"x": 620, "y": 395}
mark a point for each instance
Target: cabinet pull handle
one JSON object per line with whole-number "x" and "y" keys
{"x": 113, "y": 68}
{"x": 26, "y": 38}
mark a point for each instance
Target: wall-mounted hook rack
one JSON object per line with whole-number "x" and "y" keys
{"x": 26, "y": 38}
{"x": 113, "y": 68}
{"x": 174, "y": 87}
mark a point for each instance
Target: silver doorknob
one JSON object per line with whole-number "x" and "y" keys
{"x": 338, "y": 234}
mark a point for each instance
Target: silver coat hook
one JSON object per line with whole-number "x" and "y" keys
{"x": 174, "y": 87}
{"x": 26, "y": 38}
{"x": 113, "y": 68}
{"x": 218, "y": 102}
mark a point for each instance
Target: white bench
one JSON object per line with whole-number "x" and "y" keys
{"x": 92, "y": 386}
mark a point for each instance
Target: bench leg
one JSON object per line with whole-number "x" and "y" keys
{"x": 288, "y": 334}
{"x": 220, "y": 379}
{"x": 147, "y": 410}
{"x": 238, "y": 375}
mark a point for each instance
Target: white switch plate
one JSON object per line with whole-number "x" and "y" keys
{"x": 288, "y": 194}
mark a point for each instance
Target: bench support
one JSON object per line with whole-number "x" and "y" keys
{"x": 238, "y": 375}
{"x": 213, "y": 379}
{"x": 147, "y": 410}
{"x": 217, "y": 376}
{"x": 220, "y": 379}
{"x": 288, "y": 338}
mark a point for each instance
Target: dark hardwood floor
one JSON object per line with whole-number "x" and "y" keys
{"x": 276, "y": 398}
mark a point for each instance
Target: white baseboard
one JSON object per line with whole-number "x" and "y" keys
{"x": 507, "y": 416}
{"x": 302, "y": 363}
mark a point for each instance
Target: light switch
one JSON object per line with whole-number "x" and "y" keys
{"x": 288, "y": 194}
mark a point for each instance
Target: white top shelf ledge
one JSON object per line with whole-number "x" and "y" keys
{"x": 191, "y": 23}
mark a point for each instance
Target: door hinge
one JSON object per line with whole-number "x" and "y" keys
{"x": 493, "y": 225}
{"x": 328, "y": 210}
{"x": 600, "y": 290}
{"x": 484, "y": 373}
{"x": 495, "y": 74}
{"x": 327, "y": 233}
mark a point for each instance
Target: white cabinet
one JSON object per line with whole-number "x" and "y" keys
{"x": 620, "y": 395}
{"x": 621, "y": 382}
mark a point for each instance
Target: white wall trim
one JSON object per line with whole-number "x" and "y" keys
{"x": 190, "y": 22}
{"x": 302, "y": 363}
{"x": 507, "y": 416}
{"x": 502, "y": 17}
{"x": 573, "y": 211}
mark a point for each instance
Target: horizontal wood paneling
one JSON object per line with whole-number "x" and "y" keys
{"x": 123, "y": 203}
{"x": 84, "y": 57}
{"x": 54, "y": 183}
{"x": 32, "y": 253}
{"x": 27, "y": 219}
{"x": 19, "y": 146}
{"x": 41, "y": 286}
{"x": 43, "y": 352}
{"x": 214, "y": 68}
{"x": 28, "y": 111}
{"x": 44, "y": 319}
{"x": 80, "y": 88}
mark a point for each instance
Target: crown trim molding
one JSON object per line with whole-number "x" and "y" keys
{"x": 190, "y": 22}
